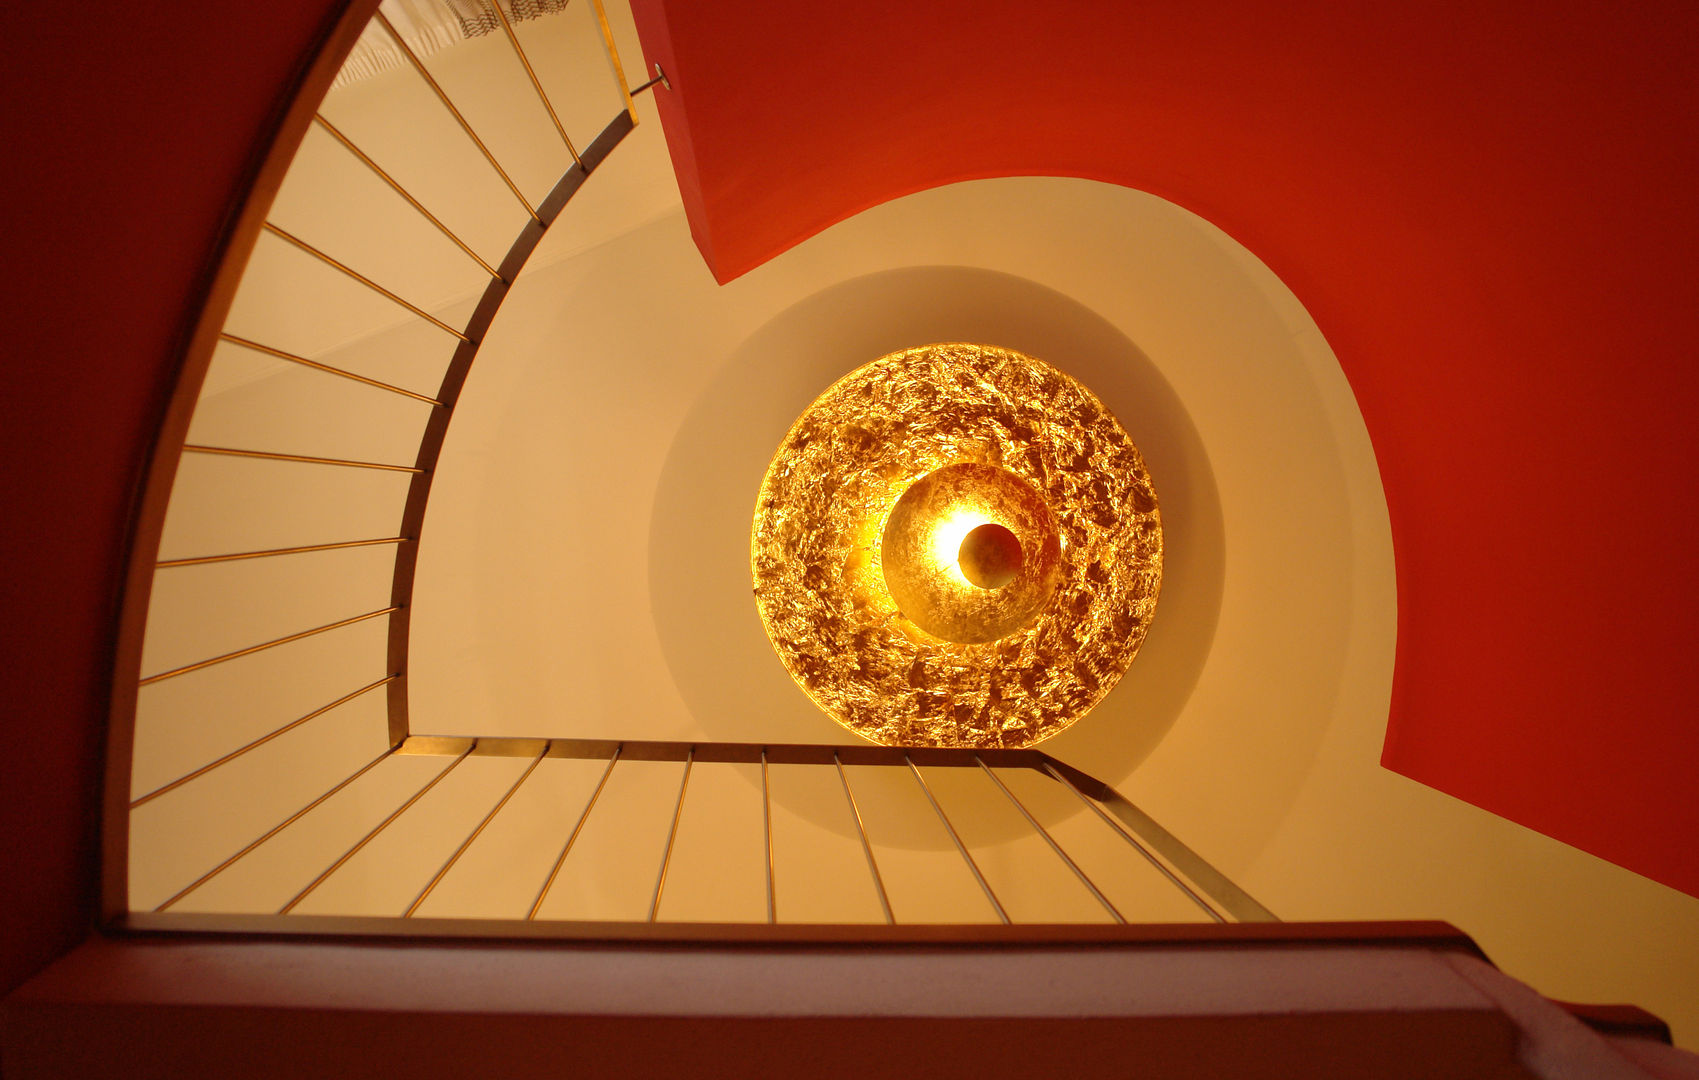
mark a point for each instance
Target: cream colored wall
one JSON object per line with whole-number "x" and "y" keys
{"x": 584, "y": 573}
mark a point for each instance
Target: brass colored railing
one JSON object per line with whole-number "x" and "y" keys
{"x": 180, "y": 794}
{"x": 302, "y": 113}
{"x": 1212, "y": 893}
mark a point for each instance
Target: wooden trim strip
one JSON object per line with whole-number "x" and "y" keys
{"x": 1424, "y": 934}
{"x": 745, "y": 753}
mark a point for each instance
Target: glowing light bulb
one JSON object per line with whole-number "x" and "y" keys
{"x": 928, "y": 532}
{"x": 907, "y": 557}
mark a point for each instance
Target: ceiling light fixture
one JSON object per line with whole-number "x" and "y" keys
{"x": 956, "y": 545}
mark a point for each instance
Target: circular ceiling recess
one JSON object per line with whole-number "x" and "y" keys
{"x": 956, "y": 545}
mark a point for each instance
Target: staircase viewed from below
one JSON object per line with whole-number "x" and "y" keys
{"x": 270, "y": 765}
{"x": 273, "y": 806}
{"x": 587, "y": 832}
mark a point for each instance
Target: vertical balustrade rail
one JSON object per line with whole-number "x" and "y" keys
{"x": 1213, "y": 894}
{"x": 1217, "y": 898}
{"x": 300, "y": 113}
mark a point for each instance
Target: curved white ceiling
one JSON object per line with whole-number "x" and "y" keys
{"x": 584, "y": 564}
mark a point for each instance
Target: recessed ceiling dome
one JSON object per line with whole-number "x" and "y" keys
{"x": 956, "y": 545}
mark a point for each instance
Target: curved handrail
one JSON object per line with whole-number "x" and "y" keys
{"x": 1219, "y": 900}
{"x": 1183, "y": 868}
{"x": 296, "y": 106}
{"x": 436, "y": 428}
{"x": 296, "y": 112}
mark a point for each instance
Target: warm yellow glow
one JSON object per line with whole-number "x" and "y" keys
{"x": 857, "y": 549}
{"x": 947, "y": 537}
{"x": 921, "y": 552}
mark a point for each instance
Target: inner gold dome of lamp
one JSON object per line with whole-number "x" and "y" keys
{"x": 956, "y": 545}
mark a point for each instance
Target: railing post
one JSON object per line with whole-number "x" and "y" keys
{"x": 1234, "y": 900}
{"x": 489, "y": 817}
{"x": 960, "y": 847}
{"x": 767, "y": 828}
{"x": 419, "y": 66}
{"x": 1054, "y": 846}
{"x": 566, "y": 848}
{"x": 866, "y": 848}
{"x": 274, "y": 830}
{"x": 380, "y": 827}
{"x": 672, "y": 835}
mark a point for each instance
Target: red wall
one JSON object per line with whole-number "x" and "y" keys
{"x": 129, "y": 132}
{"x": 1489, "y": 209}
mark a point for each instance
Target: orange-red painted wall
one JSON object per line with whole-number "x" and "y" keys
{"x": 1489, "y": 210}
{"x": 129, "y": 130}
{"x": 1488, "y": 213}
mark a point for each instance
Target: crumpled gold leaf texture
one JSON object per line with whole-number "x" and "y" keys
{"x": 815, "y": 559}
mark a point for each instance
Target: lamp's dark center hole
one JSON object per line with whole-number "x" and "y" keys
{"x": 990, "y": 556}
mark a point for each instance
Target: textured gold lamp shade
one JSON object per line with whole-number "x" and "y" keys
{"x": 956, "y": 545}
{"x": 970, "y": 552}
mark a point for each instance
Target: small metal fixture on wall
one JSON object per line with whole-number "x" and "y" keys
{"x": 956, "y": 545}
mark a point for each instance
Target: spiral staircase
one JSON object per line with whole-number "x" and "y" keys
{"x": 269, "y": 789}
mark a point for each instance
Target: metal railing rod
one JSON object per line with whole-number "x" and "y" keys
{"x": 749, "y": 753}
{"x": 612, "y": 52}
{"x": 185, "y": 669}
{"x": 419, "y": 66}
{"x": 464, "y": 844}
{"x": 525, "y": 61}
{"x": 1149, "y": 856}
{"x": 202, "y": 560}
{"x": 660, "y": 79}
{"x": 275, "y": 829}
{"x": 866, "y": 847}
{"x": 960, "y": 847}
{"x": 326, "y": 368}
{"x": 672, "y": 835}
{"x": 380, "y": 827}
{"x": 767, "y": 827}
{"x": 1054, "y": 846}
{"x": 566, "y": 848}
{"x": 363, "y": 279}
{"x": 259, "y": 742}
{"x": 268, "y": 455}
{"x": 403, "y": 192}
